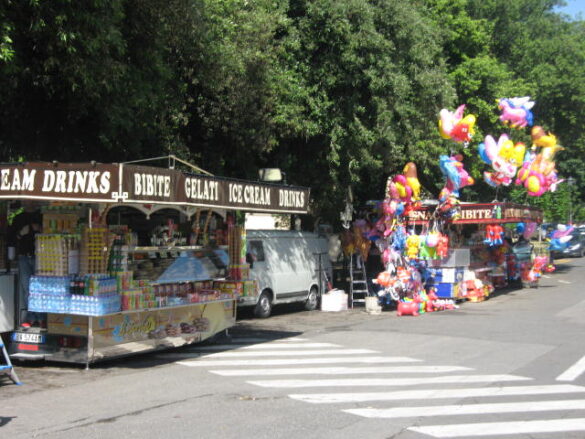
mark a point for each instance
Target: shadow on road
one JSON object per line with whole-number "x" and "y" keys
{"x": 5, "y": 420}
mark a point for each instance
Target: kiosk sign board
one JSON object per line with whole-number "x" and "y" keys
{"x": 119, "y": 183}
{"x": 484, "y": 213}
{"x": 59, "y": 181}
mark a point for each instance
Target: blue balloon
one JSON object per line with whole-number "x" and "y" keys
{"x": 399, "y": 209}
{"x": 483, "y": 154}
{"x": 450, "y": 171}
{"x": 520, "y": 227}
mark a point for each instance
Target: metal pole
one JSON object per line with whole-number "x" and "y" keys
{"x": 570, "y": 182}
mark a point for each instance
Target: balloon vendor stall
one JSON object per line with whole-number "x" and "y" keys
{"x": 435, "y": 253}
{"x": 125, "y": 258}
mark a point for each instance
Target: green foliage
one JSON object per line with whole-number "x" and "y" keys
{"x": 337, "y": 93}
{"x": 371, "y": 80}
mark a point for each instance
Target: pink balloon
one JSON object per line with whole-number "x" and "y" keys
{"x": 529, "y": 229}
{"x": 491, "y": 147}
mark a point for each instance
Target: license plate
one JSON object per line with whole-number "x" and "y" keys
{"x": 26, "y": 337}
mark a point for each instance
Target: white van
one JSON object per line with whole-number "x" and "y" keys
{"x": 289, "y": 266}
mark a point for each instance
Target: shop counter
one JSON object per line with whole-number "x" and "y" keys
{"x": 87, "y": 339}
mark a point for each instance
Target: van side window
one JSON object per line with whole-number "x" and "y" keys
{"x": 257, "y": 250}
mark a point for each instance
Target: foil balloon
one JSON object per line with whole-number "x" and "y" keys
{"x": 503, "y": 156}
{"x": 560, "y": 238}
{"x": 546, "y": 141}
{"x": 412, "y": 179}
{"x": 529, "y": 229}
{"x": 456, "y": 175}
{"x": 402, "y": 187}
{"x": 448, "y": 119}
{"x": 454, "y": 126}
{"x": 541, "y": 138}
{"x": 538, "y": 175}
{"x": 515, "y": 112}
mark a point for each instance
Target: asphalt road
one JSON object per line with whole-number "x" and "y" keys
{"x": 509, "y": 367}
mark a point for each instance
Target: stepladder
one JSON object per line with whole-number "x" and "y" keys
{"x": 6, "y": 367}
{"x": 358, "y": 282}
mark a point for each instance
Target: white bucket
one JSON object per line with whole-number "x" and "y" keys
{"x": 372, "y": 305}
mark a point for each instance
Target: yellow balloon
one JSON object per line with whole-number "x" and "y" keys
{"x": 518, "y": 154}
{"x": 533, "y": 184}
{"x": 470, "y": 121}
{"x": 523, "y": 174}
{"x": 507, "y": 150}
{"x": 415, "y": 186}
{"x": 442, "y": 132}
{"x": 401, "y": 190}
{"x": 549, "y": 152}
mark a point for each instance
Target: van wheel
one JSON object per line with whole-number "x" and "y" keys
{"x": 264, "y": 306}
{"x": 312, "y": 300}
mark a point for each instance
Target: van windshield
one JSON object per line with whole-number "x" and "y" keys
{"x": 256, "y": 250}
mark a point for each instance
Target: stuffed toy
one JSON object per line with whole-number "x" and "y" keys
{"x": 494, "y": 235}
{"x": 412, "y": 244}
{"x": 443, "y": 246}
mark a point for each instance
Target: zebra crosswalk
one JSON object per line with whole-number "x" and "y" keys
{"x": 432, "y": 400}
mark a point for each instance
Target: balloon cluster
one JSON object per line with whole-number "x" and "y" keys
{"x": 504, "y": 157}
{"x": 535, "y": 272}
{"x": 516, "y": 111}
{"x": 538, "y": 173}
{"x": 453, "y": 125}
{"x": 535, "y": 169}
{"x": 560, "y": 238}
{"x": 401, "y": 192}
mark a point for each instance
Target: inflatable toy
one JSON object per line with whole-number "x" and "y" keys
{"x": 452, "y": 125}
{"x": 515, "y": 112}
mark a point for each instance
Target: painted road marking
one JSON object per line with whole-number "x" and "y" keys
{"x": 297, "y": 361}
{"x": 299, "y": 356}
{"x": 250, "y": 340}
{"x": 340, "y": 370}
{"x": 455, "y": 379}
{"x": 292, "y": 352}
{"x": 470, "y": 409}
{"x": 501, "y": 428}
{"x": 564, "y": 282}
{"x": 265, "y": 346}
{"x": 335, "y": 398}
{"x": 573, "y": 372}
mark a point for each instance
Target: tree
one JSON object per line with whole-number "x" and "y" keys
{"x": 93, "y": 80}
{"x": 371, "y": 80}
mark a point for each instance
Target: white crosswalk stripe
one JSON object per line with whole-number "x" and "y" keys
{"x": 503, "y": 428}
{"x": 454, "y": 402}
{"x": 468, "y": 409}
{"x": 250, "y": 340}
{"x": 297, "y": 361}
{"x": 360, "y": 382}
{"x": 340, "y": 370}
{"x": 260, "y": 347}
{"x": 289, "y": 353}
{"x": 337, "y": 398}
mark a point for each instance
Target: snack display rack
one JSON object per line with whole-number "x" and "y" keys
{"x": 104, "y": 293}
